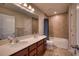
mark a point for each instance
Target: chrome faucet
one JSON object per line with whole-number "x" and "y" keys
{"x": 34, "y": 35}
{"x": 10, "y": 39}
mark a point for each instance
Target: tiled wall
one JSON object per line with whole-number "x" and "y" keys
{"x": 58, "y": 26}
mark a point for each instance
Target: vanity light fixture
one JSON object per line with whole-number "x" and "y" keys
{"x": 27, "y": 6}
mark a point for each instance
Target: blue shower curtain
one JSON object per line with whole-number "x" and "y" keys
{"x": 46, "y": 28}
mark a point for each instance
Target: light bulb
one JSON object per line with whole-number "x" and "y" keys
{"x": 25, "y": 4}
{"x": 77, "y": 7}
{"x": 30, "y": 7}
{"x": 33, "y": 9}
{"x": 55, "y": 12}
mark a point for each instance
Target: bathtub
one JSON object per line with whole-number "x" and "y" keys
{"x": 58, "y": 42}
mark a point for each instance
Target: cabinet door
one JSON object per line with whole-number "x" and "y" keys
{"x": 45, "y": 45}
{"x": 40, "y": 42}
{"x": 32, "y": 53}
{"x": 32, "y": 49}
{"x": 40, "y": 50}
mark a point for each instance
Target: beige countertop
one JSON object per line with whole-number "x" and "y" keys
{"x": 25, "y": 41}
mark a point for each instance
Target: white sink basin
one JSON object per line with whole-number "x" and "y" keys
{"x": 26, "y": 40}
{"x": 18, "y": 44}
{"x": 23, "y": 40}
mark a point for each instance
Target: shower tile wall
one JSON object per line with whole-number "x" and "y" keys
{"x": 58, "y": 26}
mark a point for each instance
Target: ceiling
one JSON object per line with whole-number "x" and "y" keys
{"x": 52, "y": 8}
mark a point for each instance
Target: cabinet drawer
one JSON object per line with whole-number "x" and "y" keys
{"x": 40, "y": 42}
{"x": 32, "y": 53}
{"x": 23, "y": 52}
{"x": 32, "y": 47}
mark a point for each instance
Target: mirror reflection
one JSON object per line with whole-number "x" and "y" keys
{"x": 7, "y": 26}
{"x": 16, "y": 23}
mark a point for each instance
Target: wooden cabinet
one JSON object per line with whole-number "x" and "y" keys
{"x": 40, "y": 50}
{"x": 40, "y": 42}
{"x": 36, "y": 49}
{"x": 41, "y": 47}
{"x": 23, "y": 52}
{"x": 32, "y": 53}
{"x": 44, "y": 45}
{"x": 32, "y": 49}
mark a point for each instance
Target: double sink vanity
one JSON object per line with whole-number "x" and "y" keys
{"x": 26, "y": 46}
{"x": 24, "y": 25}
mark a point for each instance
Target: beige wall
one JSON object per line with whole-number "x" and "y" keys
{"x": 41, "y": 17}
{"x": 58, "y": 26}
{"x": 72, "y": 25}
{"x": 23, "y": 22}
{"x": 77, "y": 25}
{"x": 35, "y": 26}
{"x": 41, "y": 23}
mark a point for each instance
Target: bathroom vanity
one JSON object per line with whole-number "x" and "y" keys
{"x": 27, "y": 46}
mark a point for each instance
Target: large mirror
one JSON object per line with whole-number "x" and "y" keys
{"x": 13, "y": 26}
{"x": 16, "y": 27}
{"x": 16, "y": 22}
{"x": 7, "y": 26}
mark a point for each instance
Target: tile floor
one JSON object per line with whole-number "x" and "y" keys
{"x": 57, "y": 52}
